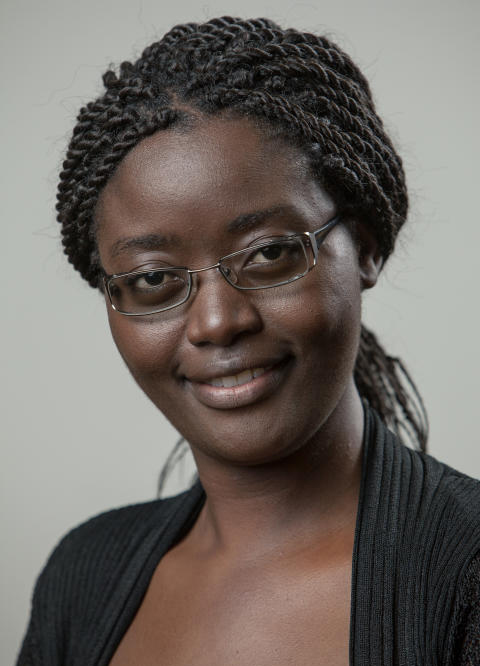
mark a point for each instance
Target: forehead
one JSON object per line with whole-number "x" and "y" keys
{"x": 195, "y": 180}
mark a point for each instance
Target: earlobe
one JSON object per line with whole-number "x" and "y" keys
{"x": 370, "y": 259}
{"x": 369, "y": 271}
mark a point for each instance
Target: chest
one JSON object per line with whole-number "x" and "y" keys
{"x": 277, "y": 614}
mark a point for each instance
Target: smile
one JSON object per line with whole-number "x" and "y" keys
{"x": 239, "y": 390}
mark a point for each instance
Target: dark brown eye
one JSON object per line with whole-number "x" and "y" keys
{"x": 154, "y": 278}
{"x": 268, "y": 253}
{"x": 150, "y": 280}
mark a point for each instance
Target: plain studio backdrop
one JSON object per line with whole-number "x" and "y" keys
{"x": 78, "y": 436}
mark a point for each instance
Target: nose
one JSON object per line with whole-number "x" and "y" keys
{"x": 219, "y": 313}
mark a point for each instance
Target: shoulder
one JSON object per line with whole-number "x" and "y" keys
{"x": 432, "y": 509}
{"x": 113, "y": 525}
{"x": 422, "y": 481}
{"x": 111, "y": 547}
{"x": 95, "y": 564}
{"x": 444, "y": 501}
{"x": 439, "y": 508}
{"x": 118, "y": 532}
{"x": 456, "y": 491}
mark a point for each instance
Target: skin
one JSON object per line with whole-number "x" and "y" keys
{"x": 280, "y": 459}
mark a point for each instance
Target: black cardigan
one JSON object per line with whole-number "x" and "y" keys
{"x": 415, "y": 575}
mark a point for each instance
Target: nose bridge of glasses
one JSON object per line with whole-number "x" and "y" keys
{"x": 192, "y": 271}
{"x": 225, "y": 271}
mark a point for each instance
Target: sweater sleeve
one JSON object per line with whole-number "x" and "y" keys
{"x": 467, "y": 617}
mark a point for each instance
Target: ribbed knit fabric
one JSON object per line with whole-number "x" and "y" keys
{"x": 415, "y": 575}
{"x": 418, "y": 532}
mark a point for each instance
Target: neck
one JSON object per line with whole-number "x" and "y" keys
{"x": 311, "y": 494}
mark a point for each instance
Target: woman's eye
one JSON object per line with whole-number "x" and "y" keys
{"x": 155, "y": 278}
{"x": 151, "y": 280}
{"x": 267, "y": 254}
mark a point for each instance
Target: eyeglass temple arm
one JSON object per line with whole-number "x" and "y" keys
{"x": 317, "y": 237}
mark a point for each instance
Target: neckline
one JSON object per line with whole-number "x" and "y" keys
{"x": 188, "y": 507}
{"x": 368, "y": 434}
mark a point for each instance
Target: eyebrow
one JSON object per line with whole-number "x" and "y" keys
{"x": 239, "y": 224}
{"x": 251, "y": 220}
{"x": 147, "y": 242}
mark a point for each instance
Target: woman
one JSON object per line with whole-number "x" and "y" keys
{"x": 232, "y": 194}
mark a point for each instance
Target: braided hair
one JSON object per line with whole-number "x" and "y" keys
{"x": 299, "y": 86}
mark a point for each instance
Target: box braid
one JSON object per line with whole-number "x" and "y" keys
{"x": 293, "y": 85}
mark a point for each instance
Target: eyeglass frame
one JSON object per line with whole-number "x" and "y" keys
{"x": 311, "y": 240}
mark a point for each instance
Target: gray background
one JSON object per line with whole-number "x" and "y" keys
{"x": 78, "y": 436}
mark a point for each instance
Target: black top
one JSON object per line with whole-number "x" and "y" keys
{"x": 415, "y": 575}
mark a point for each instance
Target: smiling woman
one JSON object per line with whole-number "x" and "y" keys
{"x": 301, "y": 338}
{"x": 232, "y": 194}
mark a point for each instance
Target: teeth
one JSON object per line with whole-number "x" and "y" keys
{"x": 237, "y": 380}
{"x": 228, "y": 382}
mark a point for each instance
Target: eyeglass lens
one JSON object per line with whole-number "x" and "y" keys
{"x": 150, "y": 291}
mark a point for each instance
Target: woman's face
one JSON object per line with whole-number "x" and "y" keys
{"x": 186, "y": 198}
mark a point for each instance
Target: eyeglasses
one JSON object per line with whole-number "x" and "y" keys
{"x": 270, "y": 263}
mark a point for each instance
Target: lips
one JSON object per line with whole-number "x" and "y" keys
{"x": 239, "y": 388}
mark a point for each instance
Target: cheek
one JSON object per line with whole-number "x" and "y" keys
{"x": 327, "y": 305}
{"x": 324, "y": 320}
{"x": 149, "y": 350}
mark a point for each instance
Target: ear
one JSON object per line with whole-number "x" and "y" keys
{"x": 370, "y": 260}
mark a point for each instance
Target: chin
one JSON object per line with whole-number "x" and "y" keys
{"x": 267, "y": 432}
